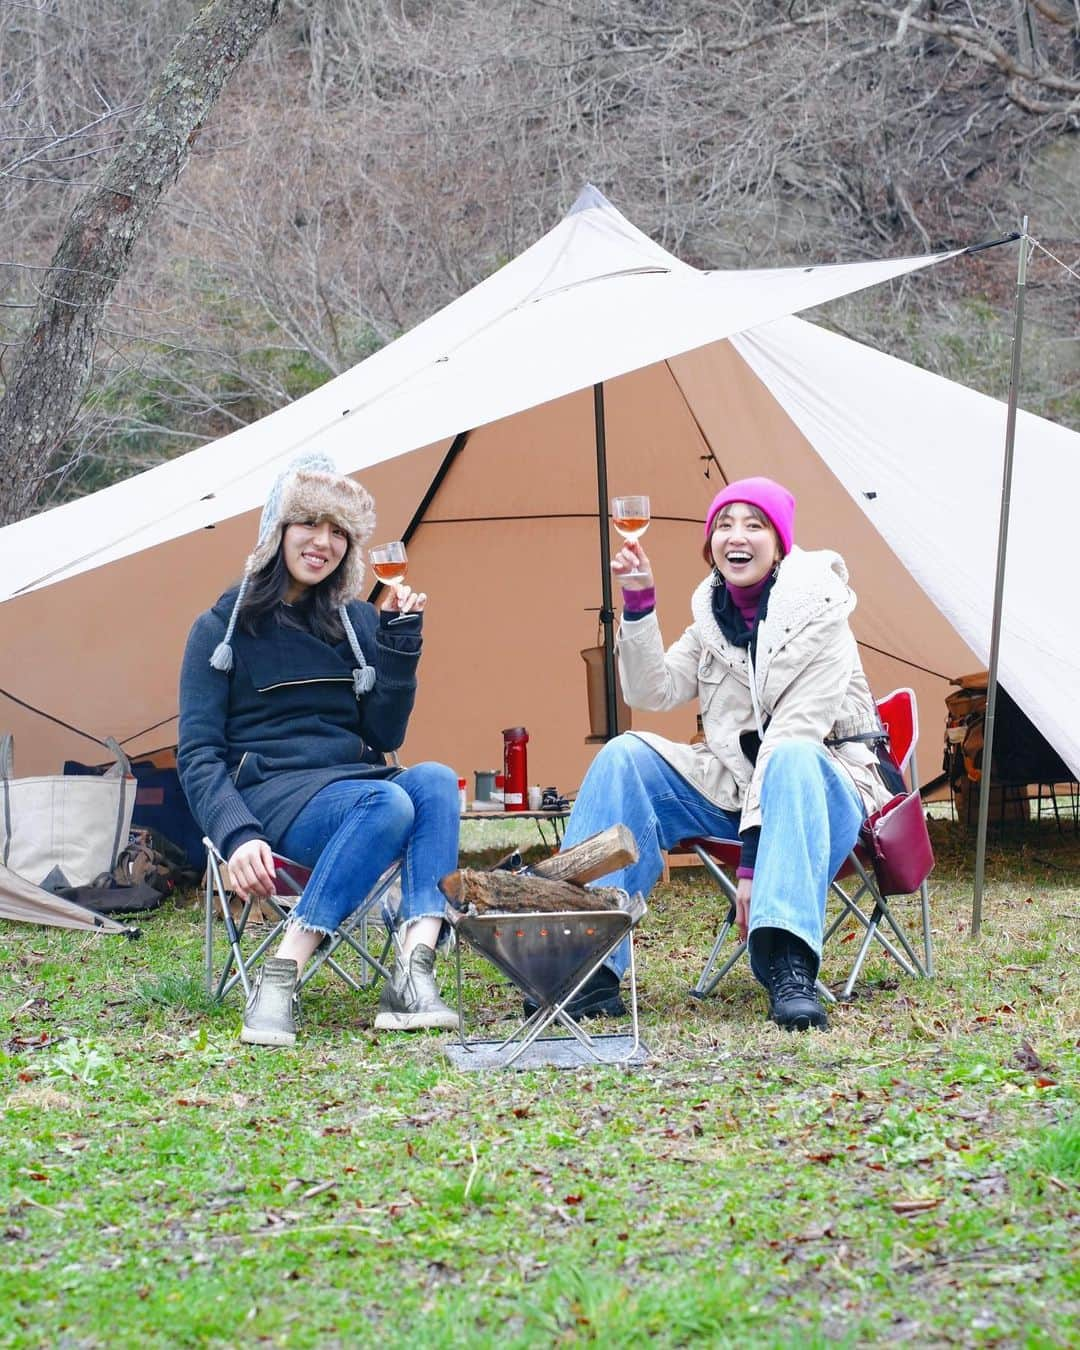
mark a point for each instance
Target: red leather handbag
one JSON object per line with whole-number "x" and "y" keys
{"x": 897, "y": 842}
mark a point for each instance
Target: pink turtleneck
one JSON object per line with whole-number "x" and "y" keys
{"x": 747, "y": 598}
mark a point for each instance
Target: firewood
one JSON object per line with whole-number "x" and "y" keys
{"x": 593, "y": 857}
{"x": 472, "y": 892}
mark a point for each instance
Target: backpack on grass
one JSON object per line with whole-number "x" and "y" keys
{"x": 149, "y": 868}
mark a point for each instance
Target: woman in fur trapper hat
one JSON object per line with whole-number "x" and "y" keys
{"x": 292, "y": 692}
{"x": 787, "y": 765}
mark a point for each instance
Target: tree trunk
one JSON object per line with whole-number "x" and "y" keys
{"x": 55, "y": 361}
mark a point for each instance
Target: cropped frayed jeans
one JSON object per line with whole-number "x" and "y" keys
{"x": 810, "y": 818}
{"x": 351, "y": 831}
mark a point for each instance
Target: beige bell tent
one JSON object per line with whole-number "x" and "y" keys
{"x": 477, "y": 434}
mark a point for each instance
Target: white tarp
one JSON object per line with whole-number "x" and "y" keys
{"x": 590, "y": 300}
{"x": 932, "y": 454}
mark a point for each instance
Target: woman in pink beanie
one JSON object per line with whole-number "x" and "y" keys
{"x": 786, "y": 766}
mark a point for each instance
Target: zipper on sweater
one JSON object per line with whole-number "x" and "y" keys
{"x": 321, "y": 679}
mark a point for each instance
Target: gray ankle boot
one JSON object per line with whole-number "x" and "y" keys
{"x": 271, "y": 1012}
{"x": 410, "y": 999}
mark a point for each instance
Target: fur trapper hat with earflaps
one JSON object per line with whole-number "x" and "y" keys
{"x": 311, "y": 488}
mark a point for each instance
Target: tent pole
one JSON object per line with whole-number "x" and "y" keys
{"x": 607, "y": 614}
{"x": 455, "y": 448}
{"x": 999, "y": 587}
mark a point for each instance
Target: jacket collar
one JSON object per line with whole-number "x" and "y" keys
{"x": 808, "y": 584}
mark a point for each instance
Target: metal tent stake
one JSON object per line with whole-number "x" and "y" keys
{"x": 999, "y": 587}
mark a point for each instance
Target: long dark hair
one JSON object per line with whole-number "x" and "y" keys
{"x": 317, "y": 612}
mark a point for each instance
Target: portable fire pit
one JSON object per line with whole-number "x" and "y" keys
{"x": 548, "y": 955}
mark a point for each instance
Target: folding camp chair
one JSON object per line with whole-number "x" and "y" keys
{"x": 716, "y": 855}
{"x": 900, "y": 721}
{"x": 246, "y": 949}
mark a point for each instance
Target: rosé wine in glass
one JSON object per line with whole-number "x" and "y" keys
{"x": 630, "y": 516}
{"x": 389, "y": 562}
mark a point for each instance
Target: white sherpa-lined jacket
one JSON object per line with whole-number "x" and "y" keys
{"x": 809, "y": 680}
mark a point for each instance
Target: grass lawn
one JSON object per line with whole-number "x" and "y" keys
{"x": 912, "y": 1176}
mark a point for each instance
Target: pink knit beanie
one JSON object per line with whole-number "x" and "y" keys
{"x": 776, "y": 502}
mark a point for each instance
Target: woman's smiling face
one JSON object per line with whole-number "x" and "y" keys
{"x": 313, "y": 551}
{"x": 745, "y": 547}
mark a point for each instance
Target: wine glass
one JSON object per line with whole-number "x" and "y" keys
{"x": 630, "y": 516}
{"x": 389, "y": 562}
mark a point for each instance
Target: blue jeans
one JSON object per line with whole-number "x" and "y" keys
{"x": 810, "y": 818}
{"x": 351, "y": 831}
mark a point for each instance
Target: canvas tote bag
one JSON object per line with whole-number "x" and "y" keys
{"x": 75, "y": 823}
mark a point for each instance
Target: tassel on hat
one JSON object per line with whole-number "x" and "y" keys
{"x": 311, "y": 488}
{"x": 222, "y": 658}
{"x": 363, "y": 677}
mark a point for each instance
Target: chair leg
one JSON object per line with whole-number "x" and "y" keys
{"x": 208, "y": 933}
{"x": 709, "y": 979}
{"x": 868, "y": 937}
{"x": 873, "y": 930}
{"x": 215, "y": 885}
{"x": 372, "y": 968}
{"x": 227, "y": 982}
{"x": 928, "y": 946}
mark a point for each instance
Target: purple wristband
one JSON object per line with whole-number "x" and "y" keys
{"x": 638, "y": 602}
{"x": 744, "y": 873}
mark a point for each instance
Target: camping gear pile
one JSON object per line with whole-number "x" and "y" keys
{"x": 1022, "y": 755}
{"x": 70, "y": 850}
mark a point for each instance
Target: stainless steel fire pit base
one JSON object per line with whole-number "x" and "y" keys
{"x": 549, "y": 957}
{"x": 549, "y": 1052}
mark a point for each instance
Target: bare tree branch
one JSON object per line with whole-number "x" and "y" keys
{"x": 44, "y": 392}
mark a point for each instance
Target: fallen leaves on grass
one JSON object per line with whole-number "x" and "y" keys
{"x": 1027, "y": 1058}
{"x": 40, "y": 1041}
{"x": 914, "y": 1206}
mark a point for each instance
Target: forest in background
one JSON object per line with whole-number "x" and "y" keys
{"x": 372, "y": 159}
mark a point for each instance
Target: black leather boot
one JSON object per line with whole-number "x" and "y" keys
{"x": 793, "y": 1000}
{"x": 598, "y": 997}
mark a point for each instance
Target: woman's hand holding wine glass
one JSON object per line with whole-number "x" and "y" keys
{"x": 631, "y": 567}
{"x": 390, "y": 563}
{"x": 631, "y": 516}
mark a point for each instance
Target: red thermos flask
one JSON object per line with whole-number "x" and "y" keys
{"x": 515, "y": 769}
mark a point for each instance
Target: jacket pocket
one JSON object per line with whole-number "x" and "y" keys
{"x": 711, "y": 675}
{"x": 248, "y": 771}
